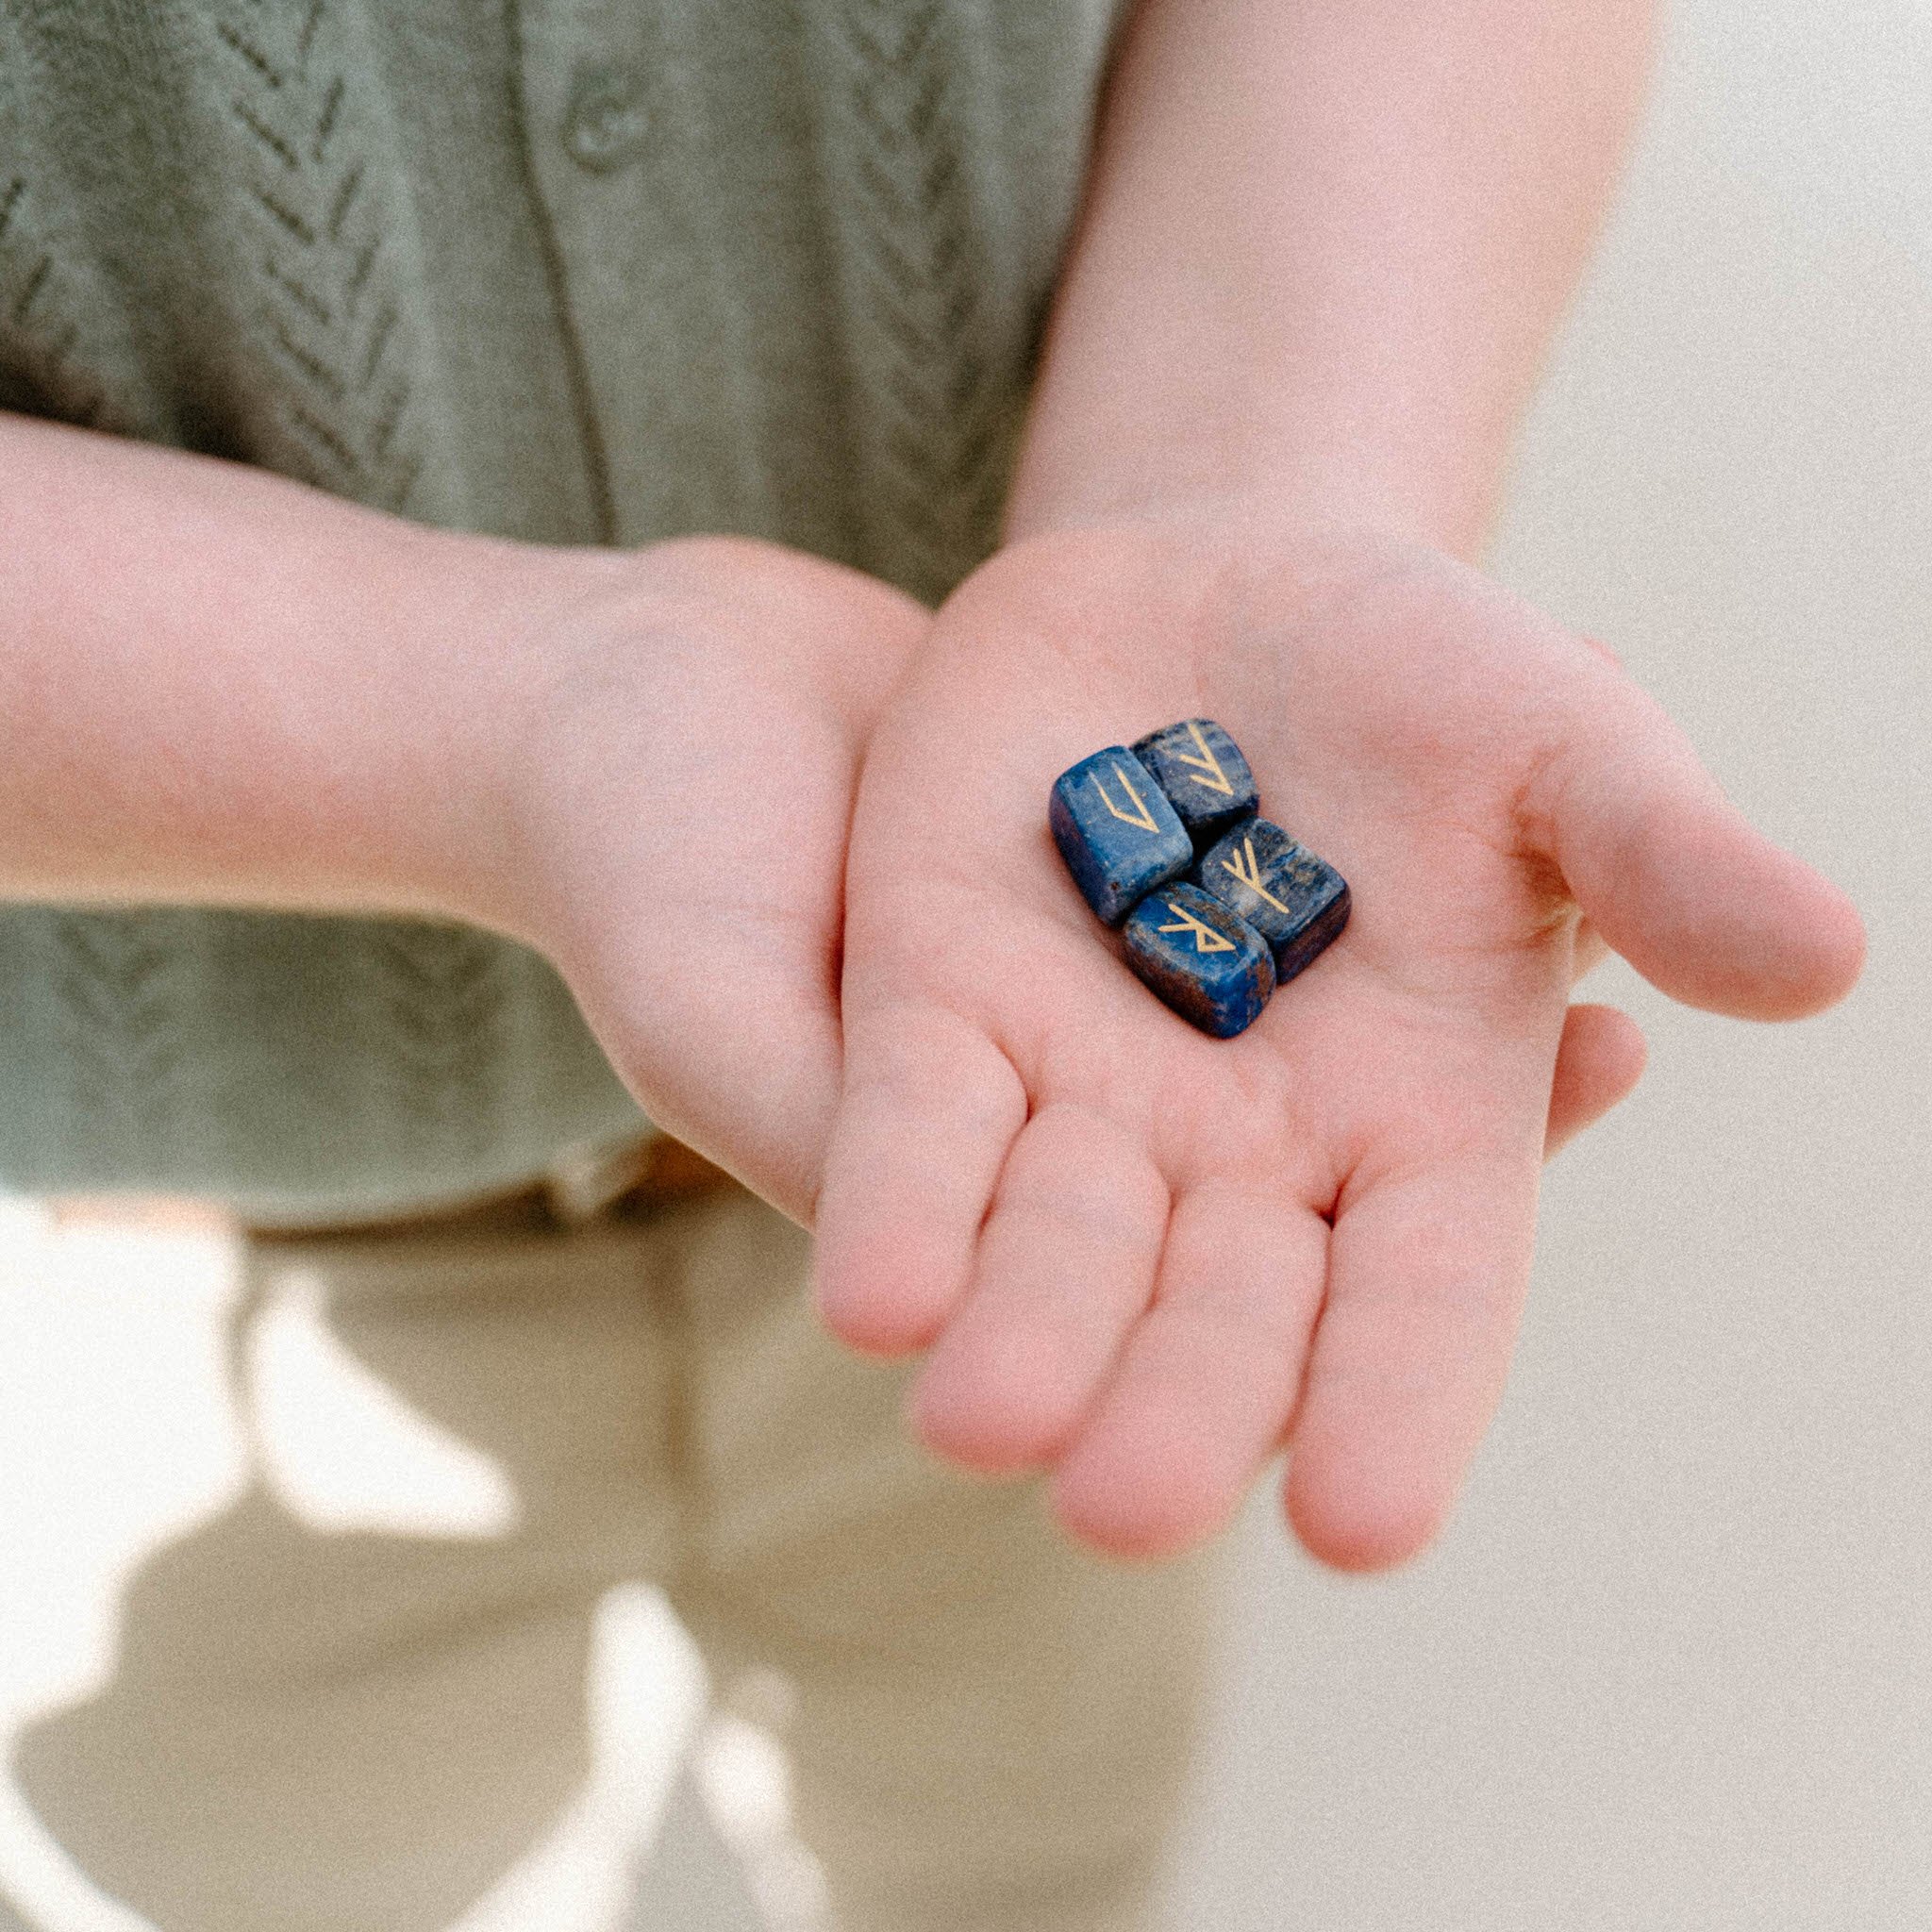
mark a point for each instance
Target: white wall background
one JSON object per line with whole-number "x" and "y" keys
{"x": 1672, "y": 1667}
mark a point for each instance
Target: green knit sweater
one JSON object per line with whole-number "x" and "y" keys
{"x": 579, "y": 271}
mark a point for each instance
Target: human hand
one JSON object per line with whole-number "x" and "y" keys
{"x": 1146, "y": 1258}
{"x": 682, "y": 732}
{"x": 220, "y": 686}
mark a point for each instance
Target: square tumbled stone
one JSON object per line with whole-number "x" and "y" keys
{"x": 1118, "y": 834}
{"x": 1204, "y": 774}
{"x": 1208, "y": 964}
{"x": 1296, "y": 902}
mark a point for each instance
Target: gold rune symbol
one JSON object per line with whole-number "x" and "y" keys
{"x": 1251, "y": 876}
{"x": 1216, "y": 779}
{"x": 1140, "y": 815}
{"x": 1206, "y": 939}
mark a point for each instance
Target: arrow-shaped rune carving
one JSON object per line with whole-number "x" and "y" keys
{"x": 1206, "y": 769}
{"x": 1140, "y": 815}
{"x": 1206, "y": 939}
{"x": 1251, "y": 876}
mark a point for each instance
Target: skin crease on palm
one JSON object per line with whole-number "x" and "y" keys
{"x": 1144, "y": 1260}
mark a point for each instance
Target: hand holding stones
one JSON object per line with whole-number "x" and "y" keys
{"x": 1256, "y": 910}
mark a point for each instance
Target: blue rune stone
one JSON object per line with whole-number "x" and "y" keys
{"x": 1210, "y": 966}
{"x": 1204, "y": 774}
{"x": 1119, "y": 836}
{"x": 1296, "y": 902}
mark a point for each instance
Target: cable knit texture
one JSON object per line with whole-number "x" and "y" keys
{"x": 605, "y": 271}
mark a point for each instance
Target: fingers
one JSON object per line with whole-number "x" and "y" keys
{"x": 930, "y": 1109}
{"x": 1599, "y": 1060}
{"x": 770, "y": 1029}
{"x": 1065, "y": 1266}
{"x": 1206, "y": 1384}
{"x": 1677, "y": 880}
{"x": 1202, "y": 1391}
{"x": 1427, "y": 1270}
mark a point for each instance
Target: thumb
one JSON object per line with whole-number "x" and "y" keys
{"x": 1674, "y": 876}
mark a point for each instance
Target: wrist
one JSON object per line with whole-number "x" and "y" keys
{"x": 566, "y": 676}
{"x": 1231, "y": 535}
{"x": 1271, "y": 501}
{"x": 488, "y": 633}
{"x": 221, "y": 687}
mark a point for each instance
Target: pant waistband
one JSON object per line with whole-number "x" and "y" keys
{"x": 628, "y": 1179}
{"x": 651, "y": 1174}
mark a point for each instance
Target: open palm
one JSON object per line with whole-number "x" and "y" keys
{"x": 1147, "y": 1258}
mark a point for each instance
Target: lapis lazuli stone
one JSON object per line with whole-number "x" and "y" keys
{"x": 1296, "y": 902}
{"x": 1204, "y": 774}
{"x": 1208, "y": 964}
{"x": 1118, "y": 834}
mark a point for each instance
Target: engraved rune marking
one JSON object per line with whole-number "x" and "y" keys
{"x": 1251, "y": 876}
{"x": 1140, "y": 815}
{"x": 1215, "y": 779}
{"x": 1206, "y": 939}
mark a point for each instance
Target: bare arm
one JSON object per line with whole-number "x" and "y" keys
{"x": 217, "y": 686}
{"x": 1325, "y": 246}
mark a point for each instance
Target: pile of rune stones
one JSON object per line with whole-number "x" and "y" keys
{"x": 1216, "y": 905}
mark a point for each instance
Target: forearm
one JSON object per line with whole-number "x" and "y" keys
{"x": 219, "y": 687}
{"x": 1325, "y": 246}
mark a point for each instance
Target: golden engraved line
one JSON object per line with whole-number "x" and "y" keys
{"x": 1252, "y": 876}
{"x": 1205, "y": 762}
{"x": 1206, "y": 939}
{"x": 1140, "y": 816}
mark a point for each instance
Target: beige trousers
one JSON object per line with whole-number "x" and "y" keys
{"x": 352, "y": 1731}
